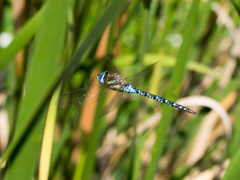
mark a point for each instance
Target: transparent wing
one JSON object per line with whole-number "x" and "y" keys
{"x": 90, "y": 95}
{"x": 77, "y": 97}
{"x": 110, "y": 67}
{"x": 114, "y": 99}
{"x": 138, "y": 77}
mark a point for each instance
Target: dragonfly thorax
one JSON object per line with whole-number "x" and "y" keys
{"x": 113, "y": 81}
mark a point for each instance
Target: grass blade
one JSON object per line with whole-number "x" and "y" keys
{"x": 42, "y": 73}
{"x": 46, "y": 151}
{"x": 173, "y": 91}
{"x": 233, "y": 169}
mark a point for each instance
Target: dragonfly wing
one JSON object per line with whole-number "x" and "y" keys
{"x": 114, "y": 99}
{"x": 77, "y": 97}
{"x": 138, "y": 77}
{"x": 110, "y": 67}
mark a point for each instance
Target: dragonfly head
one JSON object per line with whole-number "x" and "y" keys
{"x": 101, "y": 77}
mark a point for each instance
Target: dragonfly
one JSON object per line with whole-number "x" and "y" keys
{"x": 114, "y": 81}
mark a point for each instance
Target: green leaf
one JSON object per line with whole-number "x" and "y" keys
{"x": 42, "y": 72}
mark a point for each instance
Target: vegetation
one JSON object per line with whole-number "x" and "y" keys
{"x": 61, "y": 46}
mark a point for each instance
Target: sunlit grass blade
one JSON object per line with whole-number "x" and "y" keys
{"x": 46, "y": 150}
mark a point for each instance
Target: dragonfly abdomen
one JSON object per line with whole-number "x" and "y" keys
{"x": 130, "y": 89}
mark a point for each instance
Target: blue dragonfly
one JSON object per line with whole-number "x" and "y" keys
{"x": 112, "y": 80}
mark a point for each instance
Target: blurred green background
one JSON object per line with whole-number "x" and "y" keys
{"x": 48, "y": 48}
